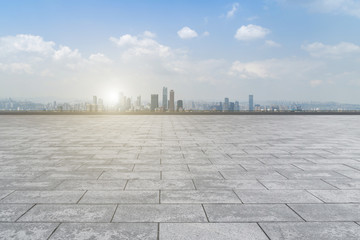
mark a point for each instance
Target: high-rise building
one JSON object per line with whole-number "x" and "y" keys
{"x": 237, "y": 106}
{"x": 226, "y": 105}
{"x": 172, "y": 101}
{"x": 128, "y": 104}
{"x": 179, "y": 106}
{"x": 138, "y": 101}
{"x": 165, "y": 99}
{"x": 154, "y": 102}
{"x": 251, "y": 103}
{"x": 95, "y": 104}
{"x": 231, "y": 107}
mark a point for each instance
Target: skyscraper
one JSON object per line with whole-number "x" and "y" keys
{"x": 165, "y": 99}
{"x": 172, "y": 101}
{"x": 251, "y": 103}
{"x": 95, "y": 104}
{"x": 226, "y": 105}
{"x": 180, "y": 106}
{"x": 237, "y": 106}
{"x": 154, "y": 102}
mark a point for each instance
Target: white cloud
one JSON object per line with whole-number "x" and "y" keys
{"x": 346, "y": 7}
{"x": 233, "y": 10}
{"x": 25, "y": 43}
{"x": 149, "y": 34}
{"x": 16, "y": 68}
{"x": 251, "y": 32}
{"x": 99, "y": 58}
{"x": 315, "y": 83}
{"x": 65, "y": 52}
{"x": 274, "y": 69}
{"x": 318, "y": 49}
{"x": 271, "y": 43}
{"x": 141, "y": 46}
{"x": 187, "y": 33}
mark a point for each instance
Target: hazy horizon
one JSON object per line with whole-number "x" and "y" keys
{"x": 274, "y": 49}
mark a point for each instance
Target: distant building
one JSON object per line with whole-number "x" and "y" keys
{"x": 154, "y": 102}
{"x": 122, "y": 102}
{"x": 237, "y": 106}
{"x": 231, "y": 107}
{"x": 172, "y": 101}
{"x": 95, "y": 104}
{"x": 226, "y": 105}
{"x": 179, "y": 106}
{"x": 128, "y": 104}
{"x": 165, "y": 99}
{"x": 251, "y": 103}
{"x": 138, "y": 101}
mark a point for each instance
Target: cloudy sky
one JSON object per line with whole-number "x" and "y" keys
{"x": 205, "y": 49}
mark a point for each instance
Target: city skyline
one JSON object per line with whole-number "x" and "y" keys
{"x": 275, "y": 49}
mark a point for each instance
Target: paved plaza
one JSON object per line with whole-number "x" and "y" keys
{"x": 180, "y": 177}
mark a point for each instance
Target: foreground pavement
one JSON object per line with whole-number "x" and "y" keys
{"x": 180, "y": 177}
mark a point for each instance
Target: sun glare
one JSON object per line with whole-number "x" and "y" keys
{"x": 112, "y": 97}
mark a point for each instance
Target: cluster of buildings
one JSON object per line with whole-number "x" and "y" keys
{"x": 168, "y": 104}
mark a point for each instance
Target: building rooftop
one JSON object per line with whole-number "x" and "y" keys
{"x": 179, "y": 177}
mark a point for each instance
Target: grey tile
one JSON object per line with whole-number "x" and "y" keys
{"x": 296, "y": 184}
{"x": 312, "y": 175}
{"x": 69, "y": 213}
{"x": 160, "y": 213}
{"x": 106, "y": 197}
{"x": 338, "y": 196}
{"x": 104, "y": 185}
{"x": 276, "y": 196}
{"x": 29, "y": 185}
{"x": 355, "y": 174}
{"x": 70, "y": 175}
{"x": 162, "y": 167}
{"x": 228, "y": 184}
{"x": 130, "y": 175}
{"x": 181, "y": 184}
{"x": 191, "y": 175}
{"x": 345, "y": 183}
{"x": 106, "y": 231}
{"x": 328, "y": 212}
{"x": 312, "y": 230}
{"x": 43, "y": 197}
{"x": 26, "y": 231}
{"x": 233, "y": 175}
{"x": 249, "y": 213}
{"x": 322, "y": 167}
{"x": 213, "y": 231}
{"x": 20, "y": 175}
{"x": 199, "y": 196}
{"x": 106, "y": 167}
{"x": 11, "y": 212}
{"x": 4, "y": 193}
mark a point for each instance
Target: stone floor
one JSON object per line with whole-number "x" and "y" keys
{"x": 180, "y": 177}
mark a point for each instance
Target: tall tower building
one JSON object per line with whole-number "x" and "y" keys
{"x": 226, "y": 105}
{"x": 251, "y": 103}
{"x": 95, "y": 104}
{"x": 172, "y": 101}
{"x": 165, "y": 98}
{"x": 154, "y": 102}
{"x": 138, "y": 101}
{"x": 179, "y": 106}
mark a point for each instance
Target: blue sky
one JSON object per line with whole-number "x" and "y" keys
{"x": 275, "y": 49}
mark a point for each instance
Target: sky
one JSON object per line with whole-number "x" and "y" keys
{"x": 295, "y": 50}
